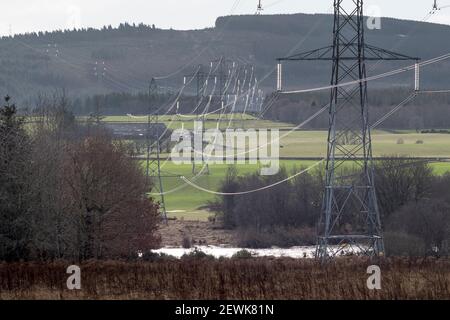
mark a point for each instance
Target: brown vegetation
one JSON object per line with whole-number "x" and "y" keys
{"x": 245, "y": 279}
{"x": 175, "y": 232}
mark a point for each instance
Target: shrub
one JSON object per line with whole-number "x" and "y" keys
{"x": 428, "y": 220}
{"x": 154, "y": 257}
{"x": 186, "y": 242}
{"x": 292, "y": 204}
{"x": 399, "y": 181}
{"x": 402, "y": 244}
{"x": 243, "y": 254}
{"x": 251, "y": 238}
{"x": 197, "y": 254}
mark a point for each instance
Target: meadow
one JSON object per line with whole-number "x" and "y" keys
{"x": 187, "y": 121}
{"x": 295, "y": 149}
{"x": 185, "y": 201}
{"x": 205, "y": 278}
{"x": 313, "y": 144}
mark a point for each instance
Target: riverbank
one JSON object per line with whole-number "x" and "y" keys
{"x": 179, "y": 233}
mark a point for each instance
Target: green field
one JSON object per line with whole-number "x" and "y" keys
{"x": 295, "y": 144}
{"x": 189, "y": 202}
{"x": 187, "y": 121}
{"x": 313, "y": 144}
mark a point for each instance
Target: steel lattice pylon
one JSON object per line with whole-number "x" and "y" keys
{"x": 220, "y": 78}
{"x": 350, "y": 218}
{"x": 349, "y": 198}
{"x": 153, "y": 167}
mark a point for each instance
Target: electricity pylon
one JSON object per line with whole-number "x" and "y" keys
{"x": 220, "y": 77}
{"x": 154, "y": 132}
{"x": 202, "y": 84}
{"x": 259, "y": 8}
{"x": 435, "y": 6}
{"x": 350, "y": 218}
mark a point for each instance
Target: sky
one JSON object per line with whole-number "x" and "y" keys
{"x": 21, "y": 16}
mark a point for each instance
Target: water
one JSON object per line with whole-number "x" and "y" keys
{"x": 224, "y": 252}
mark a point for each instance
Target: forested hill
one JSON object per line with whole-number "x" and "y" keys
{"x": 125, "y": 58}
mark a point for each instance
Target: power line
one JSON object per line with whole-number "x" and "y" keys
{"x": 394, "y": 110}
{"x": 192, "y": 184}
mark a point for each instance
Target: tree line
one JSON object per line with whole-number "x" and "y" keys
{"x": 426, "y": 111}
{"x": 423, "y": 113}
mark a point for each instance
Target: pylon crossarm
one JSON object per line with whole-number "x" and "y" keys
{"x": 375, "y": 53}
{"x": 372, "y": 53}
{"x": 317, "y": 54}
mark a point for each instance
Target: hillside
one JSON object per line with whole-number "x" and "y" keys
{"x": 124, "y": 59}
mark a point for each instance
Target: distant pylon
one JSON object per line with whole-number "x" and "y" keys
{"x": 220, "y": 78}
{"x": 154, "y": 132}
{"x": 259, "y": 9}
{"x": 435, "y": 7}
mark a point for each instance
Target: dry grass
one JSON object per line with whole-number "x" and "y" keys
{"x": 229, "y": 279}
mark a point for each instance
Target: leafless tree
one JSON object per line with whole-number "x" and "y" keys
{"x": 107, "y": 191}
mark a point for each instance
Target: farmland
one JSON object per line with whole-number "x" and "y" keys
{"x": 297, "y": 149}
{"x": 187, "y": 121}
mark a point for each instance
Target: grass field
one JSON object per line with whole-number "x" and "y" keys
{"x": 187, "y": 121}
{"x": 313, "y": 144}
{"x": 187, "y": 202}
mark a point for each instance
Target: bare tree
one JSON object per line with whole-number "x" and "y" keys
{"x": 399, "y": 181}
{"x": 108, "y": 195}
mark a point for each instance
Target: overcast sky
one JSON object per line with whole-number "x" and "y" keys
{"x": 20, "y": 16}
